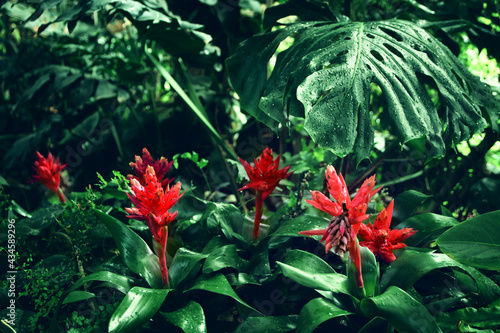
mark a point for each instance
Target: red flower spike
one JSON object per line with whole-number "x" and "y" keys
{"x": 49, "y": 174}
{"x": 264, "y": 177}
{"x": 152, "y": 204}
{"x": 160, "y": 166}
{"x": 347, "y": 216}
{"x": 380, "y": 239}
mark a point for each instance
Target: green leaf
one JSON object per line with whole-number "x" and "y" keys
{"x": 39, "y": 220}
{"x": 334, "y": 282}
{"x": 268, "y": 324}
{"x": 77, "y": 296}
{"x": 412, "y": 265}
{"x": 218, "y": 284}
{"x": 475, "y": 242}
{"x": 304, "y": 222}
{"x": 327, "y": 73}
{"x": 189, "y": 318}
{"x": 120, "y": 282}
{"x": 224, "y": 257}
{"x": 135, "y": 252}
{"x": 136, "y": 309}
{"x": 482, "y": 317}
{"x": 428, "y": 225}
{"x": 401, "y": 310}
{"x": 407, "y": 203}
{"x": 316, "y": 312}
{"x": 183, "y": 265}
{"x": 307, "y": 262}
{"x": 371, "y": 275}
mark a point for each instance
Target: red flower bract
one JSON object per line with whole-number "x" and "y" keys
{"x": 160, "y": 166}
{"x": 49, "y": 173}
{"x": 347, "y": 216}
{"x": 264, "y": 177}
{"x": 380, "y": 239}
{"x": 152, "y": 204}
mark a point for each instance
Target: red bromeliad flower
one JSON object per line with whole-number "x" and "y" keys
{"x": 264, "y": 177}
{"x": 152, "y": 204}
{"x": 380, "y": 239}
{"x": 347, "y": 216}
{"x": 160, "y": 166}
{"x": 49, "y": 174}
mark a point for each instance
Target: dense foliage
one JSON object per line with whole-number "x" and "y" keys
{"x": 275, "y": 120}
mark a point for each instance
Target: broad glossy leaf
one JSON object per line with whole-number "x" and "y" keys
{"x": 304, "y": 222}
{"x": 135, "y": 252}
{"x": 316, "y": 312}
{"x": 137, "y": 308}
{"x": 183, "y": 265}
{"x": 326, "y": 281}
{"x": 483, "y": 317}
{"x": 218, "y": 284}
{"x": 268, "y": 324}
{"x": 325, "y": 76}
{"x": 412, "y": 265}
{"x": 428, "y": 225}
{"x": 406, "y": 203}
{"x": 224, "y": 257}
{"x": 475, "y": 242}
{"x": 307, "y": 262}
{"x": 189, "y": 318}
{"x": 401, "y": 310}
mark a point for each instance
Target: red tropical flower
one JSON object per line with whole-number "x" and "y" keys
{"x": 264, "y": 177}
{"x": 160, "y": 166}
{"x": 49, "y": 174}
{"x": 347, "y": 216}
{"x": 380, "y": 239}
{"x": 152, "y": 204}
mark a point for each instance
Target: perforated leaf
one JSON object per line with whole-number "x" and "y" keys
{"x": 325, "y": 77}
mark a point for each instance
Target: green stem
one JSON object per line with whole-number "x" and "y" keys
{"x": 258, "y": 215}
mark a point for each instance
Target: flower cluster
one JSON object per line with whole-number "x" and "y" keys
{"x": 49, "y": 173}
{"x": 380, "y": 239}
{"x": 264, "y": 177}
{"x": 348, "y": 215}
{"x": 160, "y": 166}
{"x": 152, "y": 203}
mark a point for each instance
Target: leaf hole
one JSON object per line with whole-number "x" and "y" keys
{"x": 393, "y": 50}
{"x": 392, "y": 33}
{"x": 377, "y": 55}
{"x": 343, "y": 53}
{"x": 370, "y": 36}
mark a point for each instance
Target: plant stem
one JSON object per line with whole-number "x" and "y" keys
{"x": 258, "y": 215}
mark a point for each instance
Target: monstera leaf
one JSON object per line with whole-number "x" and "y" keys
{"x": 325, "y": 76}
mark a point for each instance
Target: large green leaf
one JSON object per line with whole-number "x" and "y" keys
{"x": 217, "y": 283}
{"x": 136, "y": 309}
{"x": 224, "y": 257}
{"x": 304, "y": 222}
{"x": 412, "y": 265}
{"x": 316, "y": 312}
{"x": 325, "y": 77}
{"x": 428, "y": 225}
{"x": 135, "y": 252}
{"x": 41, "y": 219}
{"x": 184, "y": 264}
{"x": 475, "y": 242}
{"x": 190, "y": 318}
{"x": 483, "y": 317}
{"x": 401, "y": 310}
